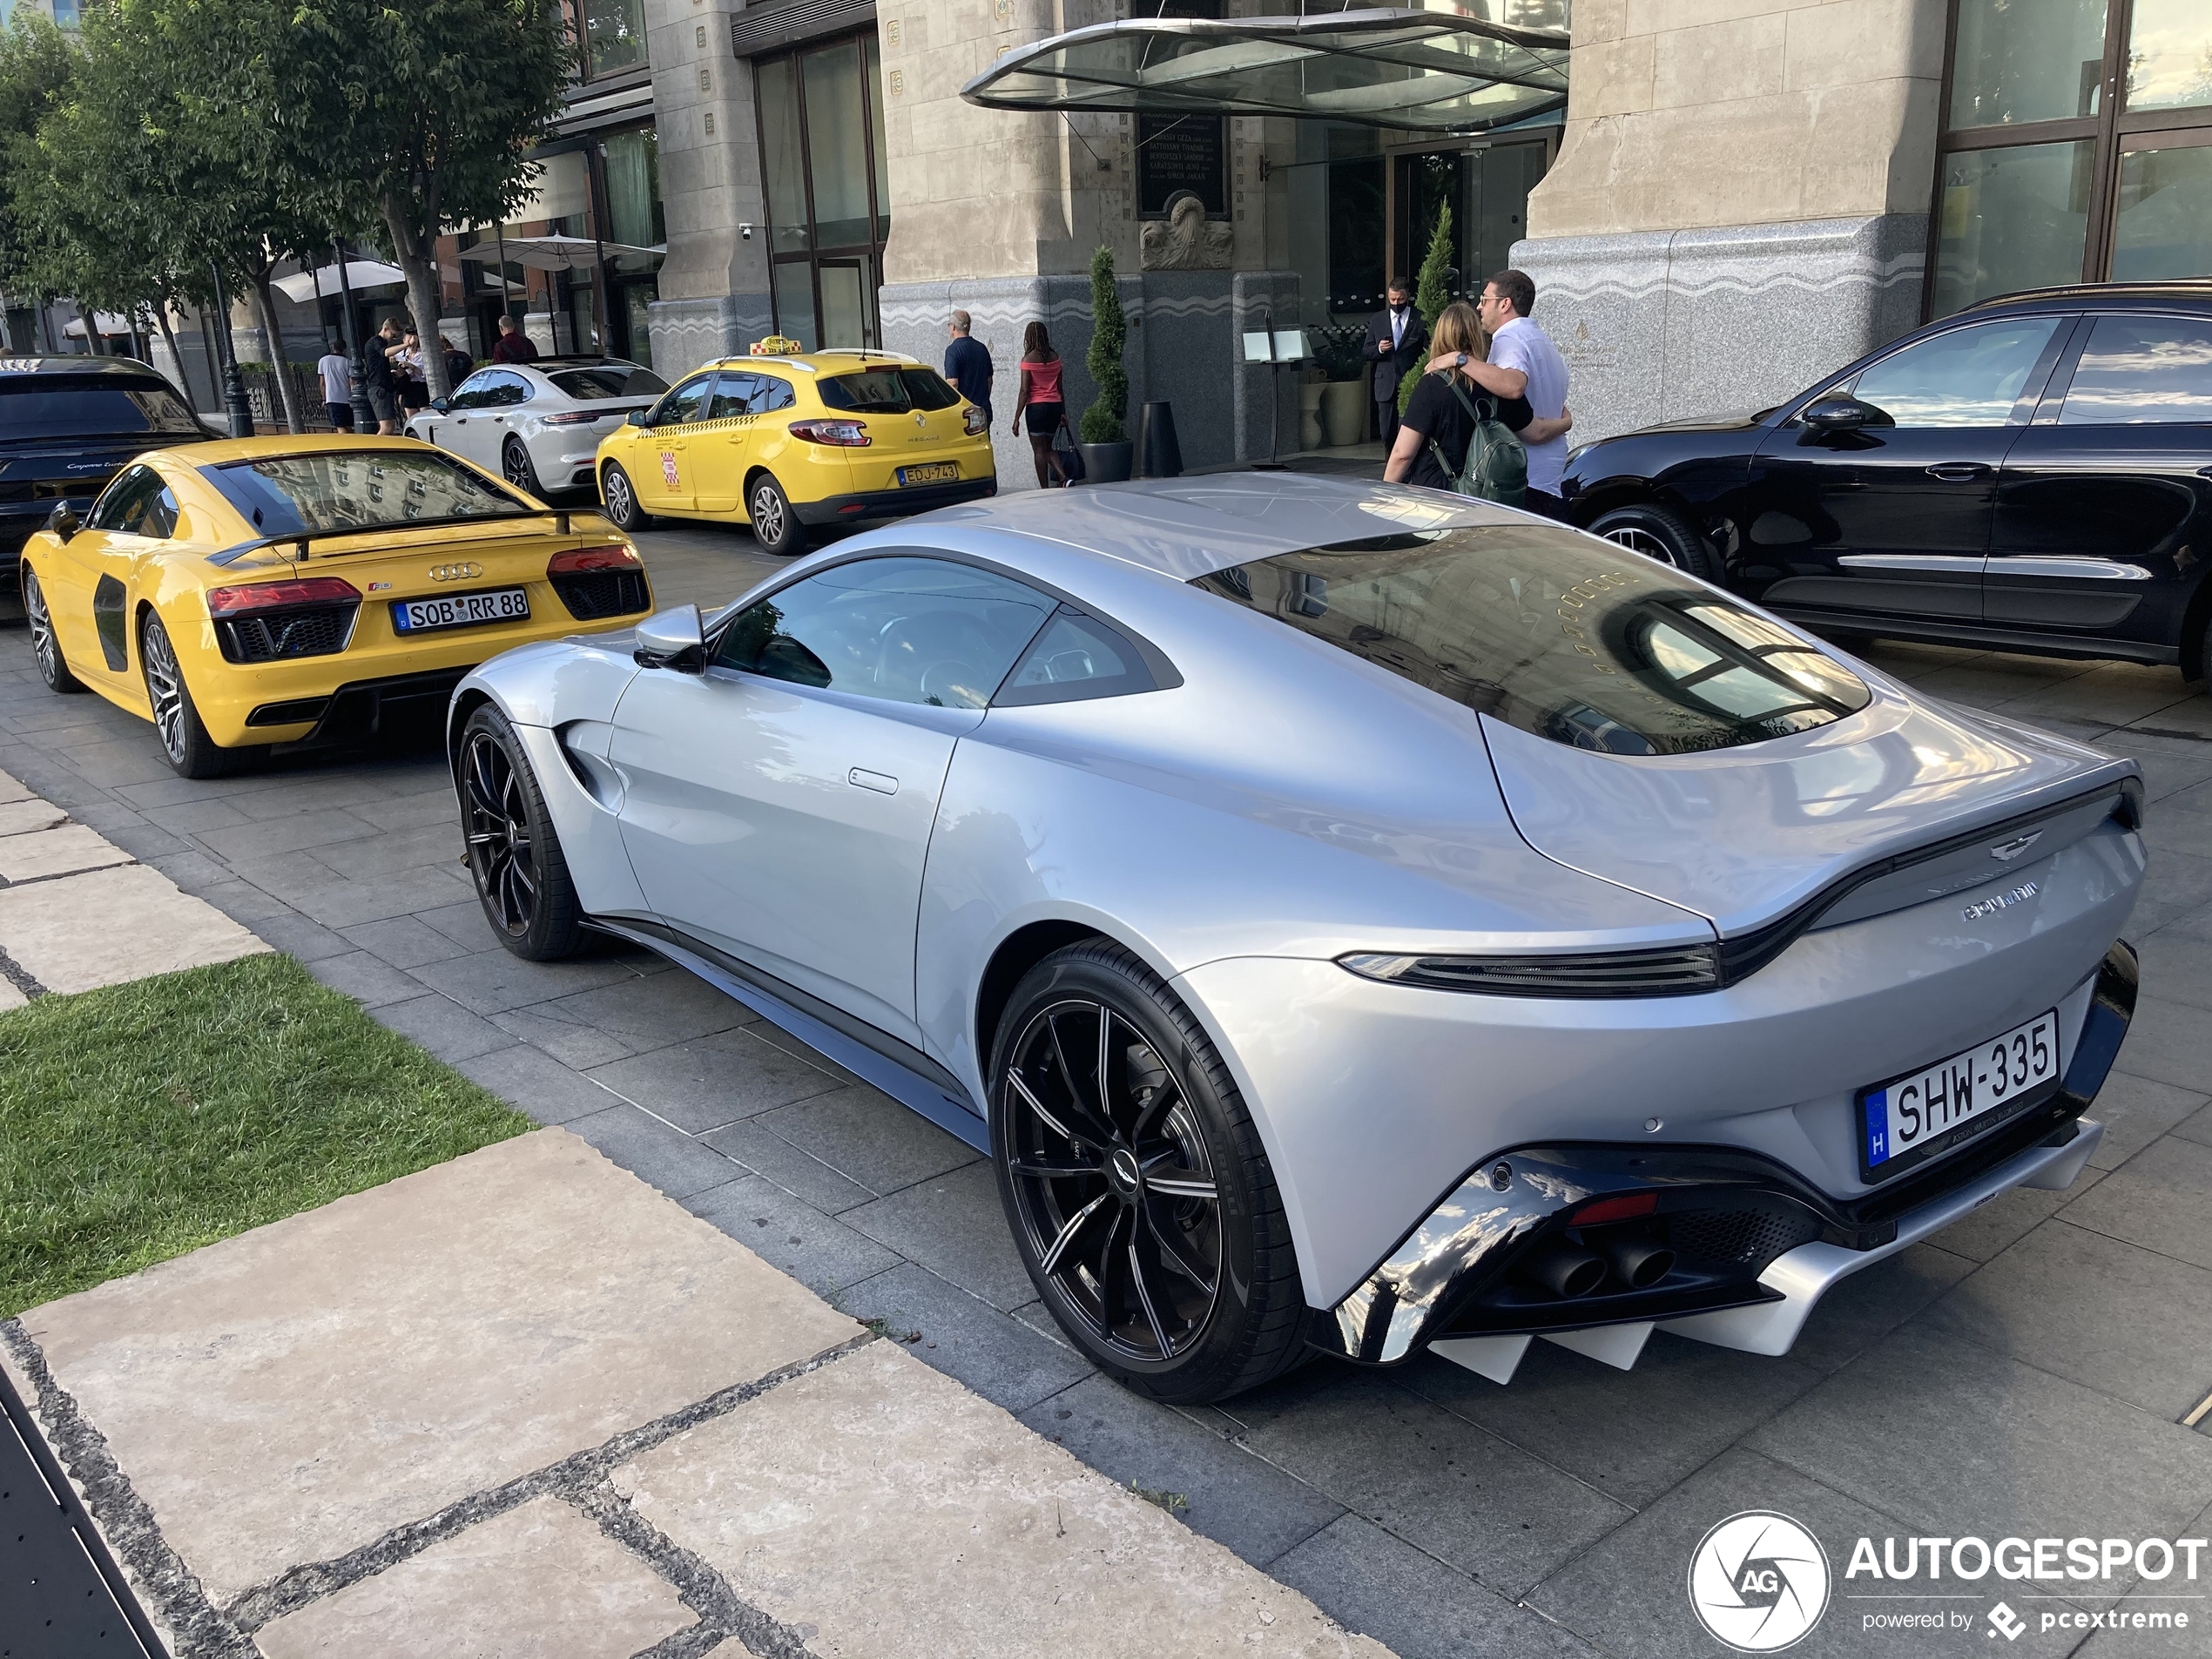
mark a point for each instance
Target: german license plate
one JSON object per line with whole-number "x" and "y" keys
{"x": 460, "y": 610}
{"x": 1911, "y": 1118}
{"x": 936, "y": 472}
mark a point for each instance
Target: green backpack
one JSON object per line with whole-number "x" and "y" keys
{"x": 1496, "y": 467}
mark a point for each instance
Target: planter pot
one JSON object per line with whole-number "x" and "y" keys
{"x": 1309, "y": 414}
{"x": 1107, "y": 463}
{"x": 1344, "y": 412}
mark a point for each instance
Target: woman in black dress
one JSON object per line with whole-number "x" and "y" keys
{"x": 1434, "y": 412}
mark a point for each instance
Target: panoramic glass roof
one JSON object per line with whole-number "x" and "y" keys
{"x": 1461, "y": 68}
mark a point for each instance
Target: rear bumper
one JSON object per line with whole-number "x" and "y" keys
{"x": 357, "y": 711}
{"x": 892, "y": 503}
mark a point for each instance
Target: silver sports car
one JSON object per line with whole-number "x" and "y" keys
{"x": 1354, "y": 919}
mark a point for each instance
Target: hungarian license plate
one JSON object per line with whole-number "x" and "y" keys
{"x": 460, "y": 610}
{"x": 1911, "y": 1118}
{"x": 936, "y": 472}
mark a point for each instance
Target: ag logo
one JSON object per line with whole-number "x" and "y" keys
{"x": 1758, "y": 1581}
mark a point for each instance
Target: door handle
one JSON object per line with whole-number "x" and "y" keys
{"x": 2204, "y": 472}
{"x": 1958, "y": 472}
{"x": 880, "y": 782}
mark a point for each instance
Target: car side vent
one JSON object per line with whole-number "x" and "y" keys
{"x": 595, "y": 594}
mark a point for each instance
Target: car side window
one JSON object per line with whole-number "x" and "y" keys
{"x": 2142, "y": 370}
{"x": 138, "y": 503}
{"x": 734, "y": 394}
{"x": 504, "y": 389}
{"x": 904, "y": 629}
{"x": 475, "y": 392}
{"x": 1969, "y": 376}
{"x": 775, "y": 393}
{"x": 684, "y": 403}
{"x": 1075, "y": 658}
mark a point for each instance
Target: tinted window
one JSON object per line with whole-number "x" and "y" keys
{"x": 911, "y": 630}
{"x": 138, "y": 503}
{"x": 1969, "y": 376}
{"x": 88, "y": 406}
{"x": 1551, "y": 632}
{"x": 2149, "y": 369}
{"x": 610, "y": 379}
{"x": 1075, "y": 658}
{"x": 475, "y": 392}
{"x": 356, "y": 490}
{"x": 503, "y": 387}
{"x": 684, "y": 403}
{"x": 734, "y": 394}
{"x": 888, "y": 391}
{"x": 775, "y": 394}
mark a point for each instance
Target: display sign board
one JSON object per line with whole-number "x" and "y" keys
{"x": 1180, "y": 153}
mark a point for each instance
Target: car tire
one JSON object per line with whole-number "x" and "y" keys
{"x": 619, "y": 496}
{"x": 45, "y": 643}
{"x": 515, "y": 857}
{"x": 518, "y": 469}
{"x": 185, "y": 743}
{"x": 1662, "y": 534}
{"x": 1179, "y": 1295}
{"x": 774, "y": 525}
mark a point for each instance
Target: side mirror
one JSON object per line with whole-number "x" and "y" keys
{"x": 441, "y": 404}
{"x": 637, "y": 417}
{"x": 671, "y": 639}
{"x": 1832, "y": 414}
{"x": 62, "y": 521}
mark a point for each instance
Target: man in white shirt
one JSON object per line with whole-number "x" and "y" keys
{"x": 337, "y": 371}
{"x": 1524, "y": 363}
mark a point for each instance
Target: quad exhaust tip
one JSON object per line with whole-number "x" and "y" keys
{"x": 1640, "y": 1266}
{"x": 1565, "y": 1270}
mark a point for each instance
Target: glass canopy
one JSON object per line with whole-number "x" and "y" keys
{"x": 1461, "y": 68}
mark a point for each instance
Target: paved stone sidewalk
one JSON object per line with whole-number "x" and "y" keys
{"x": 2025, "y": 1372}
{"x": 520, "y": 1404}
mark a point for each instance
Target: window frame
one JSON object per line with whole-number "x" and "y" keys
{"x": 129, "y": 479}
{"x": 2051, "y": 411}
{"x": 2048, "y": 356}
{"x": 706, "y": 377}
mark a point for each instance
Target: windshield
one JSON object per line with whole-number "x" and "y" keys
{"x": 1556, "y": 634}
{"x": 888, "y": 391}
{"x": 611, "y": 379}
{"x": 89, "y": 406}
{"x": 355, "y": 490}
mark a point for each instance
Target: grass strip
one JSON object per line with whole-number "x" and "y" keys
{"x": 142, "y": 1120}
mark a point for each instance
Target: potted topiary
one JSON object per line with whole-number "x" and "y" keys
{"x": 1430, "y": 293}
{"x": 1104, "y": 430}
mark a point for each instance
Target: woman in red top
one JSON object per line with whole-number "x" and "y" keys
{"x": 1042, "y": 399}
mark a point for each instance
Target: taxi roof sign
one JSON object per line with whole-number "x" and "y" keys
{"x": 777, "y": 346}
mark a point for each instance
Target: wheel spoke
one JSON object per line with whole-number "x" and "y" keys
{"x": 1067, "y": 1235}
{"x": 1105, "y": 1041}
{"x": 1052, "y": 1171}
{"x": 1183, "y": 1184}
{"x": 1111, "y": 1305}
{"x": 1173, "y": 1257}
{"x": 1050, "y": 1121}
{"x": 1144, "y": 1298}
{"x": 1098, "y": 1131}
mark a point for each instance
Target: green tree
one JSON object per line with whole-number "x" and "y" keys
{"x": 1430, "y": 293}
{"x": 36, "y": 67}
{"x": 1107, "y": 419}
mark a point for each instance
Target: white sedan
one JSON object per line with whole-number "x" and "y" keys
{"x": 538, "y": 424}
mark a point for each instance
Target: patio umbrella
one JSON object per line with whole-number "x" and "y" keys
{"x": 302, "y": 287}
{"x": 552, "y": 252}
{"x": 109, "y": 321}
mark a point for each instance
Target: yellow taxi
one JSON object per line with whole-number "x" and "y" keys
{"x": 288, "y": 589}
{"x": 795, "y": 440}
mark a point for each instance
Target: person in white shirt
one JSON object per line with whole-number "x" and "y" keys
{"x": 1524, "y": 363}
{"x": 337, "y": 371}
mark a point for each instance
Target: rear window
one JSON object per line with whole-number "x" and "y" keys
{"x": 888, "y": 391}
{"x": 1555, "y": 633}
{"x": 89, "y": 406}
{"x": 590, "y": 385}
{"x": 352, "y": 490}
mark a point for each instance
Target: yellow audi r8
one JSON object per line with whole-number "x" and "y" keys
{"x": 272, "y": 590}
{"x": 794, "y": 444}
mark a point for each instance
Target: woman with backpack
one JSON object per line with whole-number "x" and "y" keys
{"x": 1042, "y": 400}
{"x": 1450, "y": 415}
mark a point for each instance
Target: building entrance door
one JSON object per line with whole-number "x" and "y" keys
{"x": 822, "y": 160}
{"x": 1486, "y": 184}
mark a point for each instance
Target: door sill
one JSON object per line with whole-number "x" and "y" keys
{"x": 1954, "y": 633}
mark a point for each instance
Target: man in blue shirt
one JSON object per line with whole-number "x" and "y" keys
{"x": 967, "y": 365}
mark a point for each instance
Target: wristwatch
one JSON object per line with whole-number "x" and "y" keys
{"x": 1460, "y": 362}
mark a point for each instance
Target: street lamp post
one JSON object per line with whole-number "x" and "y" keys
{"x": 241, "y": 412}
{"x": 364, "y": 417}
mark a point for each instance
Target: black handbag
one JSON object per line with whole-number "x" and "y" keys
{"x": 1070, "y": 458}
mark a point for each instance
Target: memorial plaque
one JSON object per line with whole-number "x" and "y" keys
{"x": 1180, "y": 153}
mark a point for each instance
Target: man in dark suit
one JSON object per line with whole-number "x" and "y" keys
{"x": 1397, "y": 341}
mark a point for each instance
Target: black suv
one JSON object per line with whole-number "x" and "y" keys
{"x": 2034, "y": 474}
{"x": 67, "y": 426}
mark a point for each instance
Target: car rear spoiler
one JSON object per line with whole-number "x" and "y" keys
{"x": 299, "y": 539}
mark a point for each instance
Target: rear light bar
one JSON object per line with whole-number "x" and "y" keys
{"x": 1669, "y": 972}
{"x": 577, "y": 560}
{"x": 977, "y": 421}
{"x": 846, "y": 434}
{"x": 579, "y": 417}
{"x": 252, "y": 597}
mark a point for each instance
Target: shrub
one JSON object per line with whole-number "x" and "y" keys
{"x": 1106, "y": 419}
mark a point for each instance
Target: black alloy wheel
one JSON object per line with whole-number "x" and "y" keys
{"x": 515, "y": 857}
{"x": 517, "y": 468}
{"x": 1662, "y": 535}
{"x": 45, "y": 645}
{"x": 1139, "y": 1196}
{"x": 620, "y": 497}
{"x": 774, "y": 525}
{"x": 184, "y": 742}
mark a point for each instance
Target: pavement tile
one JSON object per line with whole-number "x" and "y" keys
{"x": 296, "y": 1391}
{"x": 769, "y": 1032}
{"x": 410, "y": 812}
{"x": 12, "y": 788}
{"x": 21, "y": 817}
{"x": 298, "y": 937}
{"x": 1001, "y": 1358}
{"x": 535, "y": 1083}
{"x": 141, "y": 840}
{"x": 765, "y": 1153}
{"x": 390, "y": 849}
{"x": 825, "y": 1256}
{"x": 338, "y": 903}
{"x": 109, "y": 926}
{"x": 1982, "y": 1234}
{"x": 2174, "y": 885}
{"x": 1230, "y": 1496}
{"x": 711, "y": 1081}
{"x": 461, "y": 920}
{"x": 189, "y": 818}
{"x": 1458, "y": 1491}
{"x": 369, "y": 981}
{"x": 1382, "y": 1586}
{"x": 863, "y": 1133}
{"x": 494, "y": 981}
{"x": 1971, "y": 1442}
{"x": 2109, "y": 1315}
{"x": 406, "y": 942}
{"x": 541, "y": 1581}
{"x": 2160, "y": 1199}
{"x": 49, "y": 852}
{"x": 241, "y": 901}
{"x": 440, "y": 1024}
{"x": 893, "y": 1513}
{"x": 652, "y": 1007}
{"x": 571, "y": 1043}
{"x": 1632, "y": 1434}
{"x": 293, "y": 832}
{"x": 954, "y": 1225}
{"x": 2168, "y": 1042}
{"x": 2136, "y": 1111}
{"x": 111, "y": 763}
{"x": 193, "y": 871}
{"x": 2197, "y": 1128}
{"x": 665, "y": 1158}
